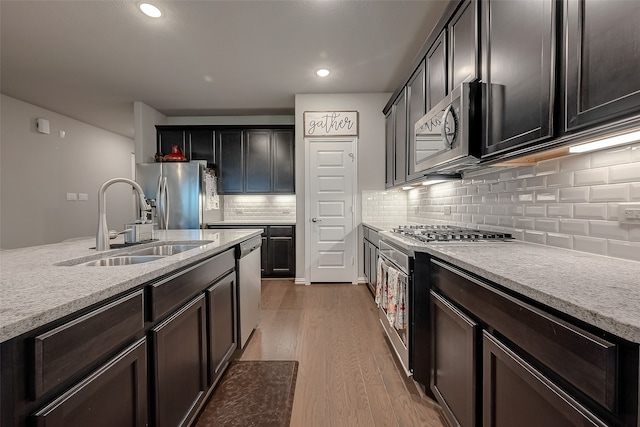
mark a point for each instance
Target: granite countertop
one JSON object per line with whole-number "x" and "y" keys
{"x": 602, "y": 291}
{"x": 40, "y": 284}
{"x": 254, "y": 222}
{"x": 385, "y": 225}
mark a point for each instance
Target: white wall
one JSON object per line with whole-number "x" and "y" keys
{"x": 145, "y": 120}
{"x": 370, "y": 156}
{"x": 37, "y": 170}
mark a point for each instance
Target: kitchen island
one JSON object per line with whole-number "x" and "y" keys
{"x": 85, "y": 344}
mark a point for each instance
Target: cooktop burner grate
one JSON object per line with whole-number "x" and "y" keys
{"x": 448, "y": 233}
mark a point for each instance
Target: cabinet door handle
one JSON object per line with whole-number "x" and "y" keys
{"x": 316, "y": 220}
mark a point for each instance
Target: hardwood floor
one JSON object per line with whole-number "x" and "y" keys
{"x": 347, "y": 374}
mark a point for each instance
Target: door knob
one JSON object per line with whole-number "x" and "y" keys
{"x": 316, "y": 219}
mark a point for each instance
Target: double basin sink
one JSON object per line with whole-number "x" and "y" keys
{"x": 143, "y": 255}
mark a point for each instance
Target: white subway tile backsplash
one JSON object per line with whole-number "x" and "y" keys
{"x": 625, "y": 173}
{"x": 590, "y": 210}
{"x": 622, "y": 249}
{"x": 598, "y": 176}
{"x": 574, "y": 194}
{"x": 608, "y": 230}
{"x": 564, "y": 179}
{"x": 614, "y": 156}
{"x": 568, "y": 203}
{"x": 634, "y": 191}
{"x": 560, "y": 240}
{"x": 534, "y": 210}
{"x": 543, "y": 224}
{"x": 560, "y": 210}
{"x": 575, "y": 163}
{"x": 535, "y": 237}
{"x": 590, "y": 244}
{"x": 609, "y": 193}
{"x": 574, "y": 226}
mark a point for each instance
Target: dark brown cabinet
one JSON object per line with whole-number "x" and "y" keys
{"x": 400, "y": 139}
{"x": 179, "y": 364}
{"x": 530, "y": 360}
{"x": 370, "y": 257}
{"x": 415, "y": 111}
{"x": 464, "y": 55}
{"x": 256, "y": 161}
{"x": 454, "y": 361}
{"x": 602, "y": 61}
{"x": 389, "y": 138}
{"x": 229, "y": 156}
{"x": 436, "y": 72}
{"x": 283, "y": 161}
{"x": 167, "y": 138}
{"x": 113, "y": 395}
{"x": 516, "y": 393}
{"x": 221, "y": 324}
{"x": 278, "y": 250}
{"x": 200, "y": 145}
{"x": 518, "y": 69}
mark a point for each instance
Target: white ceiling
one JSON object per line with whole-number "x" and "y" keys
{"x": 91, "y": 59}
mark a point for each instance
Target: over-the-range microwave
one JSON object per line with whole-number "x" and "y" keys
{"x": 448, "y": 139}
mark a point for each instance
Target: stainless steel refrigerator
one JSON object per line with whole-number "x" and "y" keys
{"x": 178, "y": 191}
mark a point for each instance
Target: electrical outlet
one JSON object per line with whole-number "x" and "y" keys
{"x": 83, "y": 196}
{"x": 72, "y": 196}
{"x": 417, "y": 209}
{"x": 629, "y": 213}
{"x": 447, "y": 210}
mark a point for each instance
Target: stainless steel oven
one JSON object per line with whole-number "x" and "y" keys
{"x": 448, "y": 138}
{"x": 393, "y": 296}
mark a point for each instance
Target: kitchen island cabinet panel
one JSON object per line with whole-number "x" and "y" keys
{"x": 61, "y": 353}
{"x": 179, "y": 365}
{"x": 602, "y": 61}
{"x": 114, "y": 395}
{"x": 221, "y": 327}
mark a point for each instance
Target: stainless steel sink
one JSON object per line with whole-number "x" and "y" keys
{"x": 121, "y": 260}
{"x": 164, "y": 250}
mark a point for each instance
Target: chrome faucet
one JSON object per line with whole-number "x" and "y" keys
{"x": 102, "y": 238}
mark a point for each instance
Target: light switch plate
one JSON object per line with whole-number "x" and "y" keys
{"x": 72, "y": 196}
{"x": 83, "y": 196}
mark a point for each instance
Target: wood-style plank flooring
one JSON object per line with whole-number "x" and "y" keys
{"x": 347, "y": 374}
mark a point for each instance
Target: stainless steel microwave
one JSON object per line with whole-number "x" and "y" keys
{"x": 448, "y": 138}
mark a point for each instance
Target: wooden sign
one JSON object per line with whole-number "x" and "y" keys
{"x": 330, "y": 123}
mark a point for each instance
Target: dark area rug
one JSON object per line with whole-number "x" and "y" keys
{"x": 252, "y": 393}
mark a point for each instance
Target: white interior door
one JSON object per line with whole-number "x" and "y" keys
{"x": 331, "y": 210}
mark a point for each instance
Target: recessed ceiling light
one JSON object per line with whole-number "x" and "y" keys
{"x": 323, "y": 72}
{"x": 150, "y": 10}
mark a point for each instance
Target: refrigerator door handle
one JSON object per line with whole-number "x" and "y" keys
{"x": 165, "y": 203}
{"x": 159, "y": 214}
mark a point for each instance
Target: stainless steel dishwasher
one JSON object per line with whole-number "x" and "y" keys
{"x": 249, "y": 288}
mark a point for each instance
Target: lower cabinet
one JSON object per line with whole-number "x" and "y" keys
{"x": 370, "y": 257}
{"x": 221, "y": 324}
{"x": 499, "y": 360}
{"x": 516, "y": 394}
{"x": 454, "y": 361}
{"x": 114, "y": 395}
{"x": 179, "y": 364}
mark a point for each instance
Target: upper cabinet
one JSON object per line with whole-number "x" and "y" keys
{"x": 463, "y": 45}
{"x": 602, "y": 61}
{"x": 517, "y": 67}
{"x": 400, "y": 147}
{"x": 257, "y": 161}
{"x": 389, "y": 138}
{"x": 436, "y": 72}
{"x": 415, "y": 111}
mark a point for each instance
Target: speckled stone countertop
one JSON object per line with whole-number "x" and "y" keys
{"x": 254, "y": 222}
{"x": 40, "y": 284}
{"x": 602, "y": 291}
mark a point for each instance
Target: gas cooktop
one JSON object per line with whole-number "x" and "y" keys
{"x": 448, "y": 233}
